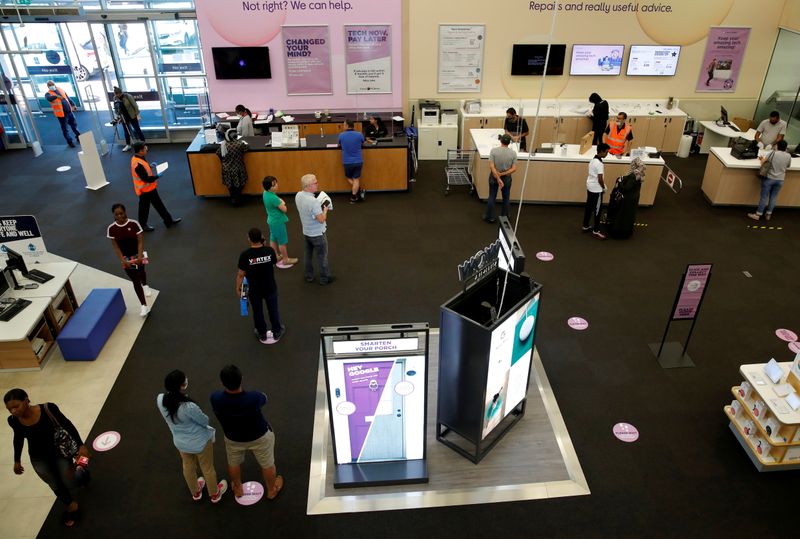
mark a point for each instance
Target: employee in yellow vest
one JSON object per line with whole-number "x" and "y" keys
{"x": 145, "y": 183}
{"x": 63, "y": 107}
{"x": 618, "y": 136}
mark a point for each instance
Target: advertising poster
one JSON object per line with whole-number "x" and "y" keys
{"x": 692, "y": 289}
{"x": 596, "y": 59}
{"x": 722, "y": 60}
{"x": 510, "y": 358}
{"x": 368, "y": 58}
{"x": 461, "y": 57}
{"x": 378, "y": 408}
{"x": 21, "y": 233}
{"x": 307, "y": 52}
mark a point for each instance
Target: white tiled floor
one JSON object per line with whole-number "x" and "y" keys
{"x": 26, "y": 496}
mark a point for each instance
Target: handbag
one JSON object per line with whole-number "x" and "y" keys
{"x": 741, "y": 148}
{"x": 66, "y": 445}
{"x": 763, "y": 170}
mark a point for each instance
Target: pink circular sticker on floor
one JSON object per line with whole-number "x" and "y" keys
{"x": 253, "y": 492}
{"x": 626, "y": 432}
{"x": 786, "y": 334}
{"x": 544, "y": 256}
{"x": 795, "y": 347}
{"x": 107, "y": 440}
{"x": 576, "y": 322}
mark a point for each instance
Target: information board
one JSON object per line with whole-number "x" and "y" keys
{"x": 461, "y": 57}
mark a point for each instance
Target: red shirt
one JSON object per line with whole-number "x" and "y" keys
{"x": 126, "y": 236}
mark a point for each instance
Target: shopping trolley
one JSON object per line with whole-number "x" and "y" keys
{"x": 459, "y": 169}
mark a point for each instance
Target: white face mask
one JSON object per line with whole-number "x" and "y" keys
{"x": 51, "y": 87}
{"x": 620, "y": 123}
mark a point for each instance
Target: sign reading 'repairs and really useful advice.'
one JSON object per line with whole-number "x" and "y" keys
{"x": 692, "y": 290}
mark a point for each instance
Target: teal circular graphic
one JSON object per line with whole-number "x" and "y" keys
{"x": 53, "y": 57}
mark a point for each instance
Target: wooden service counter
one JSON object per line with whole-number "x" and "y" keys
{"x": 733, "y": 182}
{"x": 556, "y": 178}
{"x": 385, "y": 166}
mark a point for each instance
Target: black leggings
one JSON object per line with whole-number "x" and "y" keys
{"x": 139, "y": 278}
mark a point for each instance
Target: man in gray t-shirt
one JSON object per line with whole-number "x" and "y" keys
{"x": 779, "y": 160}
{"x": 771, "y": 130}
{"x": 314, "y": 218}
{"x": 502, "y": 164}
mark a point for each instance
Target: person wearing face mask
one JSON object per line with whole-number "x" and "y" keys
{"x": 771, "y": 130}
{"x": 63, "y": 108}
{"x": 618, "y": 136}
{"x": 245, "y": 125}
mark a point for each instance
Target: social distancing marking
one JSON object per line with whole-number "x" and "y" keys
{"x": 545, "y": 256}
{"x": 747, "y": 274}
{"x": 63, "y": 168}
{"x": 107, "y": 440}
{"x": 625, "y": 432}
{"x": 764, "y": 227}
{"x": 578, "y": 323}
{"x": 253, "y": 491}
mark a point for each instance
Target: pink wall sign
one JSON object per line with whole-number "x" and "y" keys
{"x": 625, "y": 432}
{"x": 723, "y": 59}
{"x": 253, "y": 492}
{"x": 107, "y": 440}
{"x": 544, "y": 256}
{"x": 307, "y": 53}
{"x": 368, "y": 59}
{"x": 692, "y": 290}
{"x": 576, "y": 322}
{"x": 786, "y": 335}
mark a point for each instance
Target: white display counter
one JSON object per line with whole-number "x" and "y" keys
{"x": 720, "y": 136}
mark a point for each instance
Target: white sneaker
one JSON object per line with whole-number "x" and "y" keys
{"x": 147, "y": 291}
{"x": 222, "y": 488}
{"x": 127, "y": 148}
{"x": 145, "y": 310}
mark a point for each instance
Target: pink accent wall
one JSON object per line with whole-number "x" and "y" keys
{"x": 227, "y": 23}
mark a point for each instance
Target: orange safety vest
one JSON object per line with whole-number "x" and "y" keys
{"x": 616, "y": 138}
{"x": 57, "y": 104}
{"x": 139, "y": 185}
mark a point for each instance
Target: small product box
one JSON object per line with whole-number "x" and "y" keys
{"x": 796, "y": 436}
{"x": 736, "y": 408}
{"x": 762, "y": 447}
{"x": 759, "y": 409}
{"x": 745, "y": 389}
{"x": 772, "y": 428}
{"x": 748, "y": 427}
{"x": 792, "y": 454}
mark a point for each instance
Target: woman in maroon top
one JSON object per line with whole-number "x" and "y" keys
{"x": 128, "y": 241}
{"x": 31, "y": 422}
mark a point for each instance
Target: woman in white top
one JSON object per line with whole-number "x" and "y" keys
{"x": 245, "y": 126}
{"x": 779, "y": 160}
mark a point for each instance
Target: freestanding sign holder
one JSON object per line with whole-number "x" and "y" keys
{"x": 485, "y": 353}
{"x": 377, "y": 382}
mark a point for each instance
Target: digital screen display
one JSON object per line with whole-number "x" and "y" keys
{"x": 241, "y": 62}
{"x": 596, "y": 59}
{"x": 510, "y": 356}
{"x": 653, "y": 60}
{"x": 529, "y": 59}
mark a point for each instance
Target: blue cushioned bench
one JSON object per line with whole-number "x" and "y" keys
{"x": 91, "y": 325}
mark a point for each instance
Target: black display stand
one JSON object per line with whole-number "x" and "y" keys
{"x": 467, "y": 326}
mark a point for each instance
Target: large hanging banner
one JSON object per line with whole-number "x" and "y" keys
{"x": 461, "y": 57}
{"x": 723, "y": 59}
{"x": 368, "y": 58}
{"x": 307, "y": 52}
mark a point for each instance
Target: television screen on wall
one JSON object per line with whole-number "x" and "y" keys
{"x": 596, "y": 59}
{"x": 653, "y": 60}
{"x": 241, "y": 62}
{"x": 529, "y": 59}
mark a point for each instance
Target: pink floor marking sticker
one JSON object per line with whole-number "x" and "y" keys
{"x": 253, "y": 492}
{"x": 576, "y": 322}
{"x": 795, "y": 347}
{"x": 107, "y": 440}
{"x": 626, "y": 432}
{"x": 544, "y": 256}
{"x": 786, "y": 335}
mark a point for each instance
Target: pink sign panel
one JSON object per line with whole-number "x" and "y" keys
{"x": 307, "y": 53}
{"x": 692, "y": 290}
{"x": 576, "y": 322}
{"x": 107, "y": 440}
{"x": 786, "y": 335}
{"x": 544, "y": 256}
{"x": 722, "y": 61}
{"x": 625, "y": 432}
{"x": 368, "y": 58}
{"x": 253, "y": 492}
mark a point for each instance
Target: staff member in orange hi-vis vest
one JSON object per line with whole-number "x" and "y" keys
{"x": 145, "y": 183}
{"x": 618, "y": 136}
{"x": 63, "y": 107}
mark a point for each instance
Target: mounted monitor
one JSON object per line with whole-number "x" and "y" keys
{"x": 241, "y": 62}
{"x": 596, "y": 59}
{"x": 529, "y": 59}
{"x": 653, "y": 60}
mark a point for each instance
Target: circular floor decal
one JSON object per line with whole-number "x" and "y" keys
{"x": 795, "y": 347}
{"x": 544, "y": 256}
{"x": 626, "y": 432}
{"x": 63, "y": 168}
{"x": 253, "y": 492}
{"x": 107, "y": 440}
{"x": 576, "y": 322}
{"x": 786, "y": 335}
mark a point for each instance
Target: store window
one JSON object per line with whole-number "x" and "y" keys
{"x": 782, "y": 84}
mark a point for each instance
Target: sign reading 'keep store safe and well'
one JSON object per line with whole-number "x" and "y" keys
{"x": 692, "y": 290}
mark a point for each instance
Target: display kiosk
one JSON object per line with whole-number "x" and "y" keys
{"x": 376, "y": 378}
{"x": 485, "y": 352}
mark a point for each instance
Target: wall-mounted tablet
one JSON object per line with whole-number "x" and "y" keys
{"x": 653, "y": 60}
{"x": 529, "y": 59}
{"x": 596, "y": 59}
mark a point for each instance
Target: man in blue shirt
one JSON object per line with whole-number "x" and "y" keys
{"x": 350, "y": 141}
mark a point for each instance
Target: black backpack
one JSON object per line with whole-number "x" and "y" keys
{"x": 744, "y": 149}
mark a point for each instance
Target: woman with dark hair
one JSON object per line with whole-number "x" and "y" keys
{"x": 38, "y": 423}
{"x": 234, "y": 173}
{"x": 192, "y": 436}
{"x": 128, "y": 242}
{"x": 375, "y": 128}
{"x": 599, "y": 116}
{"x": 245, "y": 126}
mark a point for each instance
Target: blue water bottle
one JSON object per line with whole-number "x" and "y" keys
{"x": 243, "y": 297}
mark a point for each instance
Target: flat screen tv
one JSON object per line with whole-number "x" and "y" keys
{"x": 241, "y": 62}
{"x": 529, "y": 59}
{"x": 653, "y": 60}
{"x": 596, "y": 59}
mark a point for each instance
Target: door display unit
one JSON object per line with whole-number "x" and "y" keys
{"x": 485, "y": 354}
{"x": 376, "y": 380}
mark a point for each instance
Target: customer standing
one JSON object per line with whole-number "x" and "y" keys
{"x": 234, "y": 172}
{"x": 350, "y": 141}
{"x": 128, "y": 242}
{"x": 38, "y": 423}
{"x": 618, "y": 136}
{"x": 502, "y": 164}
{"x": 277, "y": 219}
{"x": 245, "y": 126}
{"x": 625, "y": 201}
{"x": 779, "y": 160}
{"x": 145, "y": 184}
{"x": 246, "y": 429}
{"x": 595, "y": 187}
{"x": 63, "y": 109}
{"x": 599, "y": 116}
{"x": 128, "y": 111}
{"x": 516, "y": 128}
{"x": 192, "y": 435}
{"x": 257, "y": 264}
{"x": 771, "y": 130}
{"x": 314, "y": 218}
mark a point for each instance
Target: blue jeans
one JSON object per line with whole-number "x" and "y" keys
{"x": 257, "y": 300}
{"x": 505, "y": 192}
{"x": 769, "y": 192}
{"x": 58, "y": 475}
{"x": 318, "y": 245}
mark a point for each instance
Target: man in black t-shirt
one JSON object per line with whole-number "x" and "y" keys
{"x": 517, "y": 128}
{"x": 258, "y": 264}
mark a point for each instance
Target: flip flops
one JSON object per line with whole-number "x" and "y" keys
{"x": 70, "y": 518}
{"x": 279, "y": 484}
